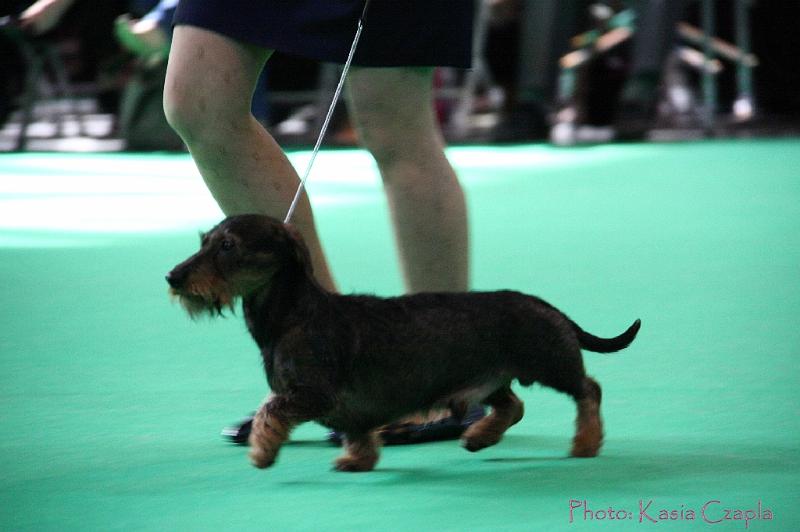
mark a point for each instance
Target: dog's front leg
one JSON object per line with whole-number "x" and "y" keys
{"x": 271, "y": 427}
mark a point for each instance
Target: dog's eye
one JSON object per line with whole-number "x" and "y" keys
{"x": 226, "y": 245}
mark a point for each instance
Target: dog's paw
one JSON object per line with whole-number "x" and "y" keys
{"x": 481, "y": 435}
{"x": 350, "y": 464}
{"x": 584, "y": 450}
{"x": 261, "y": 459}
{"x": 586, "y": 445}
{"x": 476, "y": 443}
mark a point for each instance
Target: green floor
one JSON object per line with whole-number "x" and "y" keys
{"x": 111, "y": 400}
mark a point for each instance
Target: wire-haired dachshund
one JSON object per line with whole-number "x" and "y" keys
{"x": 355, "y": 363}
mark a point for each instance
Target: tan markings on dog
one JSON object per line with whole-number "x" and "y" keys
{"x": 589, "y": 429}
{"x": 266, "y": 438}
{"x": 202, "y": 291}
{"x": 489, "y": 430}
{"x": 361, "y": 454}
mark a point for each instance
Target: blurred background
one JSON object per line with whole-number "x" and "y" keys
{"x": 111, "y": 400}
{"x": 82, "y": 75}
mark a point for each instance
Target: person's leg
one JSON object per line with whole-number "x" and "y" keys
{"x": 207, "y": 95}
{"x": 392, "y": 110}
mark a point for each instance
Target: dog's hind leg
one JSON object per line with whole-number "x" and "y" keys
{"x": 271, "y": 427}
{"x": 589, "y": 425}
{"x": 361, "y": 453}
{"x": 507, "y": 410}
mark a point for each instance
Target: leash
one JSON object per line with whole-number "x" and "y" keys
{"x": 324, "y": 128}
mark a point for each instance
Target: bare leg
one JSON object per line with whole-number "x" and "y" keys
{"x": 207, "y": 94}
{"x": 361, "y": 453}
{"x": 393, "y": 113}
{"x": 507, "y": 410}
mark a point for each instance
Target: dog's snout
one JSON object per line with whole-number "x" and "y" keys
{"x": 173, "y": 279}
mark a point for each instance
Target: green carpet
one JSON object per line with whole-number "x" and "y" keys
{"x": 111, "y": 399}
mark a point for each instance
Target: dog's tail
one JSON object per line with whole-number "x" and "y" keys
{"x": 606, "y": 345}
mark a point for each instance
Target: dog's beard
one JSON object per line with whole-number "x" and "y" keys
{"x": 199, "y": 305}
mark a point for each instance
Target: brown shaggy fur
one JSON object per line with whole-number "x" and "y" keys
{"x": 355, "y": 363}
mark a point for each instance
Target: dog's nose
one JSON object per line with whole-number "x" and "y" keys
{"x": 173, "y": 280}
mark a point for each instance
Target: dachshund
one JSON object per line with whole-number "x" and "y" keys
{"x": 354, "y": 363}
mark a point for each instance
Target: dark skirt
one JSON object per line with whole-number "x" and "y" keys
{"x": 396, "y": 32}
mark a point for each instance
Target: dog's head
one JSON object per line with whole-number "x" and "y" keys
{"x": 238, "y": 257}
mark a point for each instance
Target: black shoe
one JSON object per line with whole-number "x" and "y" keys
{"x": 448, "y": 428}
{"x": 239, "y": 433}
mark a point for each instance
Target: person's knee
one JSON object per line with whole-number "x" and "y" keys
{"x": 381, "y": 141}
{"x": 208, "y": 84}
{"x": 179, "y": 111}
{"x": 198, "y": 115}
{"x": 184, "y": 111}
{"x": 392, "y": 111}
{"x": 397, "y": 135}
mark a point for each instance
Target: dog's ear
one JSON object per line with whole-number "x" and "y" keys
{"x": 299, "y": 250}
